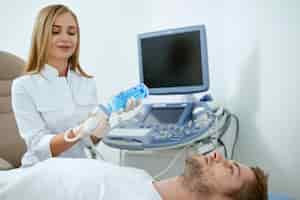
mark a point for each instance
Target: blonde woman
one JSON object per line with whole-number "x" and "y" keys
{"x": 55, "y": 97}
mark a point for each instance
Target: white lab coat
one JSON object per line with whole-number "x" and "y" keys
{"x": 46, "y": 104}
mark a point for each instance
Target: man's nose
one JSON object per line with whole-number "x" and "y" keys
{"x": 216, "y": 156}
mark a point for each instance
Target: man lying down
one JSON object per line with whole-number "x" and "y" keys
{"x": 204, "y": 178}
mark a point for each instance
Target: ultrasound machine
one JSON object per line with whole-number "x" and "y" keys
{"x": 172, "y": 63}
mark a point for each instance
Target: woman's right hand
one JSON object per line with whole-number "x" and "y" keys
{"x": 96, "y": 124}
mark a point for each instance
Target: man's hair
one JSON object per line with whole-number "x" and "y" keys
{"x": 255, "y": 190}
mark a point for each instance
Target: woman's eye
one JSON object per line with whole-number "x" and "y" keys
{"x": 72, "y": 33}
{"x": 55, "y": 32}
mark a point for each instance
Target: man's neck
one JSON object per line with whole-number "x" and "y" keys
{"x": 60, "y": 65}
{"x": 172, "y": 189}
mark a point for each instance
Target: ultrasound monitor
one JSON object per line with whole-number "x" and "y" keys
{"x": 174, "y": 61}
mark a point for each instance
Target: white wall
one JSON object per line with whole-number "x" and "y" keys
{"x": 261, "y": 48}
{"x": 252, "y": 48}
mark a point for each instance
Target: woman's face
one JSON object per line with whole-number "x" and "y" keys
{"x": 64, "y": 40}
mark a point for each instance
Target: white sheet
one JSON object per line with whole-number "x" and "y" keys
{"x": 76, "y": 179}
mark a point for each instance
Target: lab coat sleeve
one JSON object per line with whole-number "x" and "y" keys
{"x": 95, "y": 101}
{"x": 31, "y": 126}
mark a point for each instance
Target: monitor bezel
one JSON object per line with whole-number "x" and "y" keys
{"x": 204, "y": 59}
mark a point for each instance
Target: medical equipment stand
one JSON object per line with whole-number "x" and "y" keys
{"x": 170, "y": 162}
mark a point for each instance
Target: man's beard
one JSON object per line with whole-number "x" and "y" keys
{"x": 194, "y": 177}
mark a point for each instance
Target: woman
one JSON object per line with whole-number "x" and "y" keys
{"x": 55, "y": 97}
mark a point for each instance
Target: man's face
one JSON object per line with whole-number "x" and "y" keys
{"x": 216, "y": 174}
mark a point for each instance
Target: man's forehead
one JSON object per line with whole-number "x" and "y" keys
{"x": 246, "y": 173}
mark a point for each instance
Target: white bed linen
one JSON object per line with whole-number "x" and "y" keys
{"x": 76, "y": 179}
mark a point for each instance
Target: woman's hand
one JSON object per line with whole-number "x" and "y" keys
{"x": 95, "y": 125}
{"x": 132, "y": 103}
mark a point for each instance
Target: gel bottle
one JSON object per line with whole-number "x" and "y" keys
{"x": 118, "y": 102}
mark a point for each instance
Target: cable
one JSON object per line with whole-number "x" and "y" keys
{"x": 171, "y": 163}
{"x": 120, "y": 157}
{"x": 236, "y": 135}
{"x": 226, "y": 124}
{"x": 224, "y": 129}
{"x": 94, "y": 152}
{"x": 99, "y": 154}
{"x": 220, "y": 141}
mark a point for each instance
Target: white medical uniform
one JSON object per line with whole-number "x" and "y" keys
{"x": 46, "y": 104}
{"x": 77, "y": 179}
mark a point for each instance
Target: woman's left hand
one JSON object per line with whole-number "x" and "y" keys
{"x": 132, "y": 103}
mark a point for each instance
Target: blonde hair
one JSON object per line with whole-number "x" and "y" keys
{"x": 41, "y": 35}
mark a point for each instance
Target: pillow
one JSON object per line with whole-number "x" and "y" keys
{"x": 277, "y": 196}
{"x": 4, "y": 165}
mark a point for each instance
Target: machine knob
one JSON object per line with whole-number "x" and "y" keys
{"x": 190, "y": 124}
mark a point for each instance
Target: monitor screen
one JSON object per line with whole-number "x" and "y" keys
{"x": 174, "y": 61}
{"x": 164, "y": 115}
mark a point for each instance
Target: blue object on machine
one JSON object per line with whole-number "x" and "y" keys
{"x": 206, "y": 97}
{"x": 118, "y": 102}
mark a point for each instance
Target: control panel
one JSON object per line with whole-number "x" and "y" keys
{"x": 161, "y": 127}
